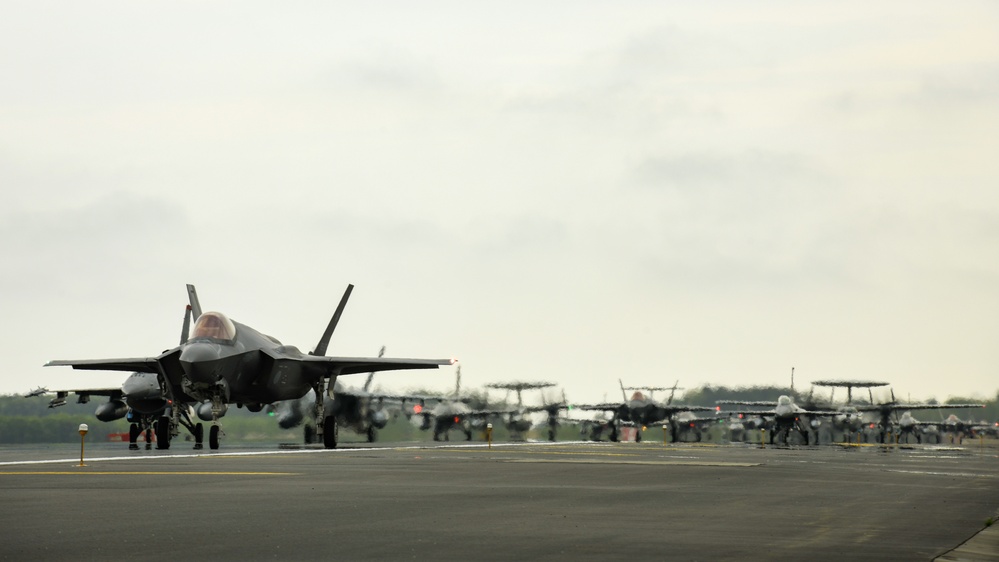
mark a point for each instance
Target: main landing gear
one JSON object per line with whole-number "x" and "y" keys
{"x": 166, "y": 428}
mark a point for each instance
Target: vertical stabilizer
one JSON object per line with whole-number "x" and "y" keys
{"x": 371, "y": 375}
{"x": 185, "y": 330}
{"x": 192, "y": 295}
{"x": 324, "y": 342}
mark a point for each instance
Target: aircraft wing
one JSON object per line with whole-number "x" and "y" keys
{"x": 689, "y": 408}
{"x": 760, "y": 413}
{"x": 357, "y": 365}
{"x": 745, "y": 403}
{"x": 893, "y": 407}
{"x": 821, "y": 413}
{"x": 850, "y": 383}
{"x": 703, "y": 419}
{"x": 139, "y": 364}
{"x": 84, "y": 395}
{"x": 487, "y": 413}
{"x": 546, "y": 408}
{"x": 608, "y": 407}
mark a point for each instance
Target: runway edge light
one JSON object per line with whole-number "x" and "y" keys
{"x": 83, "y": 434}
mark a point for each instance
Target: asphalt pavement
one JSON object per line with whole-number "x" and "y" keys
{"x": 566, "y": 501}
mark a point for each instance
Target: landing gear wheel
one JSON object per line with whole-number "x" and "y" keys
{"x": 310, "y": 434}
{"x": 371, "y": 435}
{"x": 199, "y": 436}
{"x": 133, "y": 436}
{"x": 551, "y": 434}
{"x": 213, "y": 437}
{"x": 329, "y": 432}
{"x": 638, "y": 436}
{"x": 163, "y": 433}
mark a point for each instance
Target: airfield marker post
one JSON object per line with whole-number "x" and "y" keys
{"x": 489, "y": 434}
{"x": 763, "y": 438}
{"x": 83, "y": 433}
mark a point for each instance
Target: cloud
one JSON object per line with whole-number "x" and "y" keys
{"x": 116, "y": 234}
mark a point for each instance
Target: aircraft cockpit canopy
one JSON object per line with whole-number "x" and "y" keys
{"x": 214, "y": 325}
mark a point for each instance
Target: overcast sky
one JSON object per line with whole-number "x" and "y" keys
{"x": 709, "y": 192}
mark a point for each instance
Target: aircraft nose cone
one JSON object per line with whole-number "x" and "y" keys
{"x": 198, "y": 360}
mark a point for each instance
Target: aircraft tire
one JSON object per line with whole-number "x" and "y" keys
{"x": 309, "y": 434}
{"x": 199, "y": 435}
{"x": 213, "y": 437}
{"x": 371, "y": 434}
{"x": 329, "y": 432}
{"x": 163, "y": 433}
{"x": 133, "y": 436}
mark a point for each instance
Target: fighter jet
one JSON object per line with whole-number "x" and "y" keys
{"x": 642, "y": 411}
{"x": 786, "y": 417}
{"x": 885, "y": 411}
{"x": 36, "y": 392}
{"x": 361, "y": 411}
{"x": 452, "y": 412}
{"x": 224, "y": 362}
{"x": 518, "y": 421}
{"x": 143, "y": 401}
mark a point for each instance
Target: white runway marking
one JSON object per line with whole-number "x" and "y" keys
{"x": 222, "y": 453}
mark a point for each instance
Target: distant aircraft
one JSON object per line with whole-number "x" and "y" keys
{"x": 886, "y": 410}
{"x": 642, "y": 410}
{"x": 910, "y": 426}
{"x": 785, "y": 415}
{"x": 361, "y": 411}
{"x": 143, "y": 401}
{"x": 452, "y": 412}
{"x": 689, "y": 427}
{"x": 849, "y": 385}
{"x": 36, "y": 392}
{"x": 518, "y": 421}
{"x": 224, "y": 362}
{"x": 552, "y": 410}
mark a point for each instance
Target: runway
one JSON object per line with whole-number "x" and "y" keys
{"x": 565, "y": 501}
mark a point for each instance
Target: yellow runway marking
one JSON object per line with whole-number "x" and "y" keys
{"x": 527, "y": 452}
{"x": 151, "y": 473}
{"x": 653, "y": 463}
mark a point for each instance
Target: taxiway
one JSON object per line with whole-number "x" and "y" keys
{"x": 577, "y": 501}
